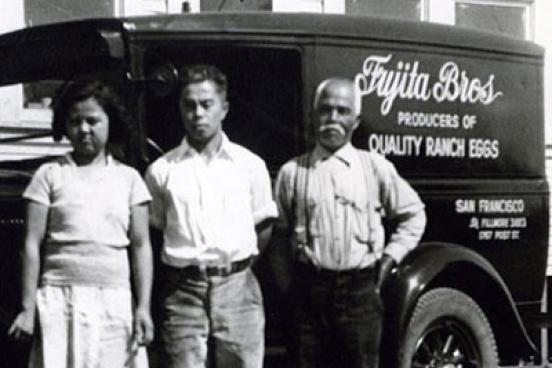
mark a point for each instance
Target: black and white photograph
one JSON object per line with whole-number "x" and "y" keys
{"x": 275, "y": 183}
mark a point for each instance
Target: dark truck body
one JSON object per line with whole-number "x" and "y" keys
{"x": 460, "y": 114}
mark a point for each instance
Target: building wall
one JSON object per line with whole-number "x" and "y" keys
{"x": 543, "y": 32}
{"x": 18, "y": 118}
{"x": 543, "y": 36}
{"x": 41, "y": 12}
{"x": 14, "y": 121}
{"x": 10, "y": 19}
{"x": 236, "y": 5}
{"x": 403, "y": 9}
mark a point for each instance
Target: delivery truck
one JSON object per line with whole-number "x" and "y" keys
{"x": 459, "y": 113}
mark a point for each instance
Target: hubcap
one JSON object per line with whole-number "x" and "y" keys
{"x": 446, "y": 343}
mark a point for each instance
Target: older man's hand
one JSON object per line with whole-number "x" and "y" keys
{"x": 385, "y": 266}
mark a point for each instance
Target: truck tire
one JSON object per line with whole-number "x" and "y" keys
{"x": 448, "y": 329}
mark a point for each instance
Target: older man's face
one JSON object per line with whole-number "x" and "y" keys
{"x": 334, "y": 117}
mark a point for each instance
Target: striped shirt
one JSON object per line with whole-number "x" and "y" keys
{"x": 335, "y": 208}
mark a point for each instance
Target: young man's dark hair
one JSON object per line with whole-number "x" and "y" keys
{"x": 204, "y": 72}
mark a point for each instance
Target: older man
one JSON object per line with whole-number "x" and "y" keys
{"x": 331, "y": 202}
{"x": 213, "y": 201}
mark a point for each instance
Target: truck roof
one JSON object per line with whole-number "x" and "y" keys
{"x": 334, "y": 26}
{"x": 103, "y": 41}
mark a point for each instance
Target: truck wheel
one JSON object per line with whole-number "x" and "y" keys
{"x": 448, "y": 329}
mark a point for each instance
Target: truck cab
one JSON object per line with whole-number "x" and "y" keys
{"x": 459, "y": 113}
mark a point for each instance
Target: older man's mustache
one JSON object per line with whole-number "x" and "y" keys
{"x": 335, "y": 127}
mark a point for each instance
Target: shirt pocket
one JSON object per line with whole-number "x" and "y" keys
{"x": 182, "y": 187}
{"x": 350, "y": 194}
{"x": 363, "y": 207}
{"x": 233, "y": 190}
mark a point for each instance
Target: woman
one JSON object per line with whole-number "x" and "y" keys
{"x": 84, "y": 212}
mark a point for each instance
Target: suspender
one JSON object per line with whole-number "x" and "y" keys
{"x": 300, "y": 192}
{"x": 374, "y": 190}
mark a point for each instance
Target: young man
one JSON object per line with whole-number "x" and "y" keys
{"x": 213, "y": 201}
{"x": 331, "y": 201}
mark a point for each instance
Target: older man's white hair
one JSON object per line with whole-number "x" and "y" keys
{"x": 357, "y": 104}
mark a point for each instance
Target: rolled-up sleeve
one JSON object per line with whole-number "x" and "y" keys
{"x": 262, "y": 202}
{"x": 405, "y": 208}
{"x": 283, "y": 194}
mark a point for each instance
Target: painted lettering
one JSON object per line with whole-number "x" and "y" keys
{"x": 395, "y": 144}
{"x": 501, "y": 205}
{"x": 404, "y": 81}
{"x": 428, "y": 120}
{"x": 484, "y": 148}
{"x": 465, "y": 205}
{"x": 492, "y": 223}
{"x": 445, "y": 147}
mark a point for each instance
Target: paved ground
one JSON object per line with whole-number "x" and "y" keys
{"x": 275, "y": 359}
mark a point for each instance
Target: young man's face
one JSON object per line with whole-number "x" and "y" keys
{"x": 203, "y": 108}
{"x": 334, "y": 116}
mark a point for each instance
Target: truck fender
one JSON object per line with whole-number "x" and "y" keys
{"x": 436, "y": 264}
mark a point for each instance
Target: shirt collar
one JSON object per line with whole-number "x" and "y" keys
{"x": 225, "y": 150}
{"x": 346, "y": 154}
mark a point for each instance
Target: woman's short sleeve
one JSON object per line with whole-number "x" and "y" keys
{"x": 40, "y": 186}
{"x": 139, "y": 193}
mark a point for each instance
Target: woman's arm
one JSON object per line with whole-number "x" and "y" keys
{"x": 35, "y": 230}
{"x": 142, "y": 271}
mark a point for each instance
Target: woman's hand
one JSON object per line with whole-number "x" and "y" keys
{"x": 22, "y": 328}
{"x": 36, "y": 220}
{"x": 142, "y": 273}
{"x": 143, "y": 326}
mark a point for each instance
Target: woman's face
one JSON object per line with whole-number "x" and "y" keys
{"x": 87, "y": 128}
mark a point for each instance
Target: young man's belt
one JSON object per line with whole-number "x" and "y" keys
{"x": 209, "y": 271}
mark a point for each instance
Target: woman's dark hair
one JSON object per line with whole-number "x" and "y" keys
{"x": 123, "y": 139}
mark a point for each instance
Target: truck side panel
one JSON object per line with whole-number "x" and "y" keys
{"x": 466, "y": 128}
